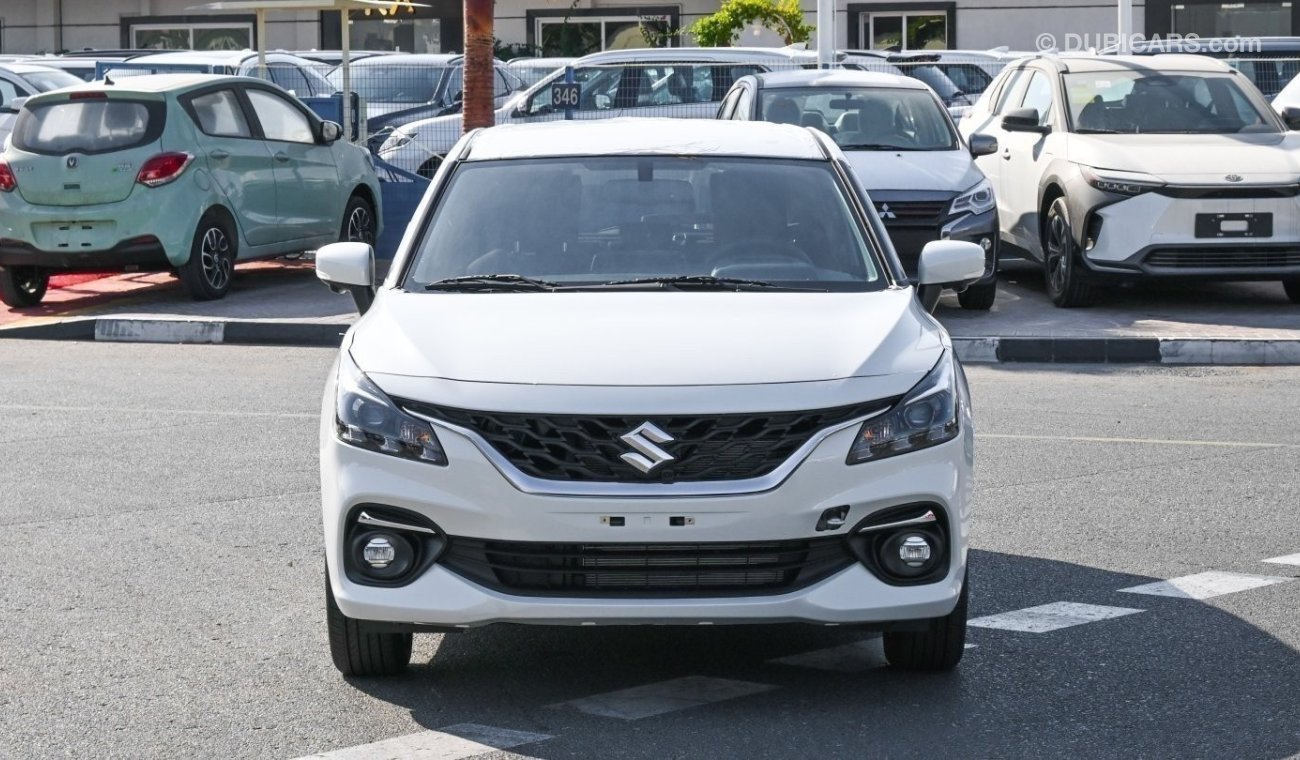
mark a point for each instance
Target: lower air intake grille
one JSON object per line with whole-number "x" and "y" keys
{"x": 1225, "y": 258}
{"x": 734, "y": 568}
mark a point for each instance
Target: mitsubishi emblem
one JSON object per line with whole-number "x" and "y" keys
{"x": 647, "y": 454}
{"x": 885, "y": 213}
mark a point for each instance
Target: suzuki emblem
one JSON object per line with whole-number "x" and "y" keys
{"x": 1233, "y": 177}
{"x": 885, "y": 213}
{"x": 647, "y": 455}
{"x": 72, "y": 162}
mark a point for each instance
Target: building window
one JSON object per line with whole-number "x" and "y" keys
{"x": 902, "y": 27}
{"x": 182, "y": 36}
{"x": 905, "y": 31}
{"x": 435, "y": 26}
{"x": 1246, "y": 19}
{"x": 586, "y": 30}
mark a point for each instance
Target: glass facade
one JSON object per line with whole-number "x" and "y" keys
{"x": 1246, "y": 19}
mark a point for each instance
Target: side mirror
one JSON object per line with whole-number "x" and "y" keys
{"x": 983, "y": 145}
{"x": 348, "y": 268}
{"x": 946, "y": 264}
{"x": 1291, "y": 115}
{"x": 1023, "y": 120}
{"x": 330, "y": 132}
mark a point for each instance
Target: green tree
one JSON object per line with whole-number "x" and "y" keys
{"x": 721, "y": 29}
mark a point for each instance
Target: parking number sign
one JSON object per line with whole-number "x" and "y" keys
{"x": 565, "y": 94}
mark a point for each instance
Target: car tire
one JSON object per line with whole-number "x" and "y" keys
{"x": 980, "y": 296}
{"x": 938, "y": 647}
{"x": 211, "y": 266}
{"x": 357, "y": 652}
{"x": 23, "y": 286}
{"x": 1067, "y": 282}
{"x": 358, "y": 222}
{"x": 1292, "y": 288}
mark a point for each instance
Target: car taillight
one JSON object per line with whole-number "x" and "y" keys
{"x": 7, "y": 179}
{"x": 163, "y": 168}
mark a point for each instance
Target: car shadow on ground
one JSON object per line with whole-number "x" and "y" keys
{"x": 1181, "y": 678}
{"x": 1022, "y": 303}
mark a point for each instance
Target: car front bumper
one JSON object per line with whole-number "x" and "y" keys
{"x": 471, "y": 498}
{"x": 1154, "y": 235}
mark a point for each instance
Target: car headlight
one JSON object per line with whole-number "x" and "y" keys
{"x": 927, "y": 416}
{"x": 396, "y": 140}
{"x": 977, "y": 200}
{"x": 366, "y": 418}
{"x": 1120, "y": 182}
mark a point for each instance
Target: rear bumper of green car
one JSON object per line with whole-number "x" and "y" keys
{"x": 148, "y": 230}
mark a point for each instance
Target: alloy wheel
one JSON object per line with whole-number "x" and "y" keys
{"x": 214, "y": 255}
{"x": 361, "y": 227}
{"x": 1058, "y": 253}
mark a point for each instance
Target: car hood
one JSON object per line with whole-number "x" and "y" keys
{"x": 949, "y": 170}
{"x": 659, "y": 338}
{"x": 1194, "y": 159}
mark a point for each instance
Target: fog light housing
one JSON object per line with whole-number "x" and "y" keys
{"x": 905, "y": 545}
{"x": 382, "y": 555}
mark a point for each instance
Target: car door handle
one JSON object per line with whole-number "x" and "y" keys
{"x": 220, "y": 155}
{"x": 282, "y": 157}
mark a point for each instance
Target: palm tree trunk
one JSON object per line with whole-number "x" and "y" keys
{"x": 479, "y": 72}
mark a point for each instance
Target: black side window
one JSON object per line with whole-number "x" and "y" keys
{"x": 1038, "y": 96}
{"x": 1010, "y": 85}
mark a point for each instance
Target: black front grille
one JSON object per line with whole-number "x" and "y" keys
{"x": 715, "y": 569}
{"x": 1230, "y": 193}
{"x": 704, "y": 447}
{"x": 1223, "y": 257}
{"x": 911, "y": 213}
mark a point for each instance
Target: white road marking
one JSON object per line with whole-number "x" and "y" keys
{"x": 1050, "y": 617}
{"x": 1160, "y": 441}
{"x": 1290, "y": 559}
{"x": 1205, "y": 585}
{"x": 451, "y": 743}
{"x": 664, "y": 697}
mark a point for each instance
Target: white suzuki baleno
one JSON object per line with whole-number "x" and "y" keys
{"x": 645, "y": 372}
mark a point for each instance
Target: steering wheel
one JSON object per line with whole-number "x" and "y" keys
{"x": 759, "y": 251}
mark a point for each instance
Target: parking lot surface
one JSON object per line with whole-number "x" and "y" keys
{"x": 164, "y": 590}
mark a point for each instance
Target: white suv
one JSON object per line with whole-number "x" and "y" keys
{"x": 1114, "y": 167}
{"x": 645, "y": 371}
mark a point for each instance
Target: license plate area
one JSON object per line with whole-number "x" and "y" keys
{"x": 1242, "y": 225}
{"x": 73, "y": 236}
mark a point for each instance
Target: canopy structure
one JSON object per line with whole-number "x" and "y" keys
{"x": 260, "y": 7}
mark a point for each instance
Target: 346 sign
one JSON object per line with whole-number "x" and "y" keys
{"x": 565, "y": 94}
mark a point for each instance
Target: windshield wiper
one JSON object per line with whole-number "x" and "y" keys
{"x": 879, "y": 146}
{"x": 508, "y": 282}
{"x": 700, "y": 281}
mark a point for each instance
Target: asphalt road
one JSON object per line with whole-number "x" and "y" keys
{"x": 162, "y": 587}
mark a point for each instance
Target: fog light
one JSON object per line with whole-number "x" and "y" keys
{"x": 383, "y": 555}
{"x": 379, "y": 552}
{"x": 914, "y": 551}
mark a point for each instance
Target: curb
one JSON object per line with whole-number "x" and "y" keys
{"x": 248, "y": 333}
{"x": 972, "y": 350}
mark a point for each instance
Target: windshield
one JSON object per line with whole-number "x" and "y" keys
{"x": 864, "y": 118}
{"x": 934, "y": 77}
{"x": 44, "y": 81}
{"x": 391, "y": 83}
{"x": 1148, "y": 102}
{"x": 531, "y": 75}
{"x": 593, "y": 221}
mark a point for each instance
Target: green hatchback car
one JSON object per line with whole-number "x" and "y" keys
{"x": 174, "y": 171}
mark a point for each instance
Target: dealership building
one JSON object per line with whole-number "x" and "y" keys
{"x": 562, "y": 27}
